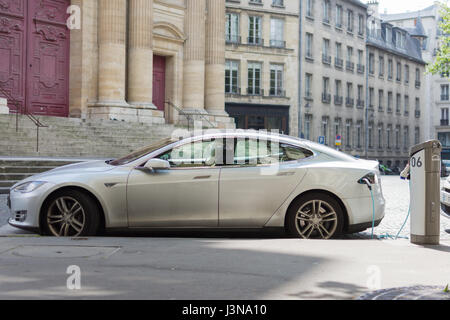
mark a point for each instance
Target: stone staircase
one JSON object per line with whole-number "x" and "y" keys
{"x": 67, "y": 140}
{"x": 76, "y": 138}
{"x": 13, "y": 170}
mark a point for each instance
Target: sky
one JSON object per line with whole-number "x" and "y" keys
{"x": 400, "y": 6}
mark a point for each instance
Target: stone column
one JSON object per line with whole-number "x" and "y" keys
{"x": 112, "y": 52}
{"x": 140, "y": 62}
{"x": 194, "y": 56}
{"x": 215, "y": 58}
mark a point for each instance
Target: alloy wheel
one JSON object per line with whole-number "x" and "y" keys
{"x": 66, "y": 217}
{"x": 316, "y": 219}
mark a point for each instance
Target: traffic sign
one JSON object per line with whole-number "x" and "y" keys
{"x": 322, "y": 140}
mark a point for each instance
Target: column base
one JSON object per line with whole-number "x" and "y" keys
{"x": 425, "y": 240}
{"x": 4, "y": 106}
{"x": 122, "y": 111}
{"x": 217, "y": 119}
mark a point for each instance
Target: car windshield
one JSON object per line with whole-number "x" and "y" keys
{"x": 142, "y": 152}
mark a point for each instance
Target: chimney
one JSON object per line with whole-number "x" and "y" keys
{"x": 374, "y": 8}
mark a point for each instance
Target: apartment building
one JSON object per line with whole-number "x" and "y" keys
{"x": 261, "y": 64}
{"x": 333, "y": 73}
{"x": 436, "y": 87}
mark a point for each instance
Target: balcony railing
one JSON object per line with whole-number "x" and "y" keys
{"x": 444, "y": 122}
{"x": 326, "y": 97}
{"x": 349, "y": 102}
{"x": 233, "y": 91}
{"x": 278, "y": 43}
{"x": 232, "y": 39}
{"x": 338, "y": 100}
{"x": 360, "y": 103}
{"x": 338, "y": 62}
{"x": 360, "y": 68}
{"x": 277, "y": 93}
{"x": 254, "y": 41}
{"x": 418, "y": 84}
{"x": 444, "y": 97}
{"x": 255, "y": 91}
{"x": 350, "y": 66}
{"x": 417, "y": 113}
{"x": 326, "y": 59}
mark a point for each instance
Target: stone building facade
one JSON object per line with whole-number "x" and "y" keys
{"x": 333, "y": 73}
{"x": 436, "y": 94}
{"x": 395, "y": 91}
{"x": 128, "y": 59}
{"x": 261, "y": 72}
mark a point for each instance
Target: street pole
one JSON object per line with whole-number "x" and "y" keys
{"x": 299, "y": 102}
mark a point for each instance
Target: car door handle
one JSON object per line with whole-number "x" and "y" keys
{"x": 202, "y": 177}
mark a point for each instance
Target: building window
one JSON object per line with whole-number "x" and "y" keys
{"x": 254, "y": 78}
{"x": 371, "y": 97}
{"x": 380, "y": 136}
{"x": 399, "y": 71}
{"x": 417, "y": 109}
{"x": 360, "y": 102}
{"x": 232, "y": 77}
{"x": 406, "y": 137}
{"x": 398, "y": 104}
{"x": 325, "y": 129}
{"x": 361, "y": 25}
{"x": 349, "y": 100}
{"x": 381, "y": 66}
{"x": 350, "y": 21}
{"x": 326, "y": 11}
{"x": 444, "y": 117}
{"x": 254, "y": 30}
{"x": 397, "y": 137}
{"x": 417, "y": 78}
{"x": 278, "y": 3}
{"x": 389, "y": 104}
{"x": 326, "y": 58}
{"x": 277, "y": 33}
{"x": 339, "y": 17}
{"x": 276, "y": 80}
{"x": 417, "y": 135}
{"x": 232, "y": 28}
{"x": 308, "y": 119}
{"x": 326, "y": 97}
{"x": 348, "y": 133}
{"x": 406, "y": 105}
{"x": 444, "y": 92}
{"x": 309, "y": 45}
{"x": 370, "y": 134}
{"x": 390, "y": 69}
{"x": 380, "y": 100}
{"x": 388, "y": 136}
{"x": 310, "y": 8}
{"x": 359, "y": 134}
{"x": 406, "y": 74}
{"x": 308, "y": 86}
{"x": 371, "y": 63}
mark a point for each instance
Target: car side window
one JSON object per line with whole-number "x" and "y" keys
{"x": 253, "y": 152}
{"x": 192, "y": 155}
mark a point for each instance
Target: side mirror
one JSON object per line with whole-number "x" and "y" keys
{"x": 157, "y": 164}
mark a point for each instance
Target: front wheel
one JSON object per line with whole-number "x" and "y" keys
{"x": 71, "y": 213}
{"x": 315, "y": 216}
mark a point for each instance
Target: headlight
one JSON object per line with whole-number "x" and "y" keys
{"x": 28, "y": 187}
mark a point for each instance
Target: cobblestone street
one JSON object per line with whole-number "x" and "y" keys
{"x": 395, "y": 191}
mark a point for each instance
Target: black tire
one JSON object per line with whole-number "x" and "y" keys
{"x": 296, "y": 223}
{"x": 89, "y": 212}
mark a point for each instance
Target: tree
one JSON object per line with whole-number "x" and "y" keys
{"x": 441, "y": 64}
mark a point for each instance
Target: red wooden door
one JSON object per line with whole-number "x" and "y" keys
{"x": 38, "y": 54}
{"x": 159, "y": 82}
{"x": 13, "y": 30}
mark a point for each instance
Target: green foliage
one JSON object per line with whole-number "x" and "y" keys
{"x": 447, "y": 290}
{"x": 442, "y": 62}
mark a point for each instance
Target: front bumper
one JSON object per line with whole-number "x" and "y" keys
{"x": 25, "y": 207}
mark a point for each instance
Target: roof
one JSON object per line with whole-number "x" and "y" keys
{"x": 427, "y": 12}
{"x": 358, "y": 3}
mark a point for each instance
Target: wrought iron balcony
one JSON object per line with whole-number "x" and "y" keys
{"x": 350, "y": 66}
{"x": 233, "y": 39}
{"x": 444, "y": 122}
{"x": 277, "y": 93}
{"x": 349, "y": 102}
{"x": 360, "y": 68}
{"x": 338, "y": 62}
{"x": 255, "y": 91}
{"x": 338, "y": 100}
{"x": 255, "y": 41}
{"x": 444, "y": 97}
{"x": 326, "y": 97}
{"x": 417, "y": 113}
{"x": 418, "y": 83}
{"x": 326, "y": 59}
{"x": 360, "y": 103}
{"x": 278, "y": 43}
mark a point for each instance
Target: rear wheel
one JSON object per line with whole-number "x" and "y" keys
{"x": 315, "y": 216}
{"x": 71, "y": 213}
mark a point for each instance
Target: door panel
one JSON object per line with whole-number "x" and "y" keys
{"x": 159, "y": 82}
{"x": 173, "y": 198}
{"x": 48, "y": 58}
{"x": 12, "y": 50}
{"x": 249, "y": 198}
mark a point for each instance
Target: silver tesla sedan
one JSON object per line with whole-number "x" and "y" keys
{"x": 225, "y": 180}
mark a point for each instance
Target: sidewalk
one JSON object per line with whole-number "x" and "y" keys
{"x": 193, "y": 268}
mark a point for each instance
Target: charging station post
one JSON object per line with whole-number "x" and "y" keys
{"x": 425, "y": 162}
